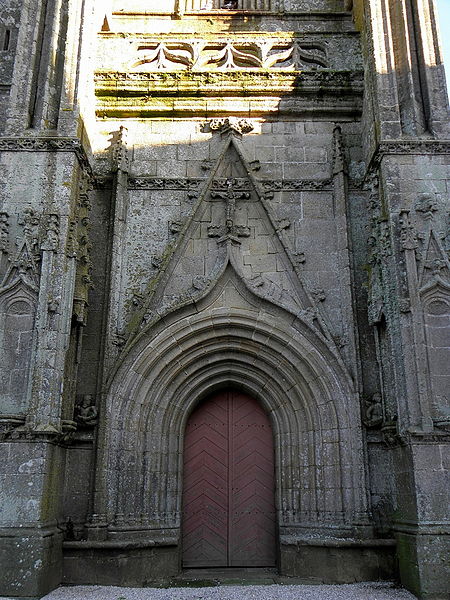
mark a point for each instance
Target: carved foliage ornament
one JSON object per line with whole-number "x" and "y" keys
{"x": 81, "y": 244}
{"x": 225, "y": 55}
{"x": 231, "y": 124}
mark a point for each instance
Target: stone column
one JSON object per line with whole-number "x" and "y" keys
{"x": 115, "y": 338}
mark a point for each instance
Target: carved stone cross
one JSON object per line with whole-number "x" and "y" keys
{"x": 226, "y": 190}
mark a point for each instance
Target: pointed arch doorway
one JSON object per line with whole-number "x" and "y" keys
{"x": 228, "y": 481}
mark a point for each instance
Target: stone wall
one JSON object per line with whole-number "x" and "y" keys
{"x": 198, "y": 199}
{"x": 9, "y": 23}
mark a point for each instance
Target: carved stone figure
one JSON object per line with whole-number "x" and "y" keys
{"x": 4, "y": 227}
{"x": 51, "y": 240}
{"x": 374, "y": 411}
{"x": 86, "y": 413}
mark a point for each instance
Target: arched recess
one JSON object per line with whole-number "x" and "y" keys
{"x": 17, "y": 314}
{"x": 435, "y": 298}
{"x": 232, "y": 338}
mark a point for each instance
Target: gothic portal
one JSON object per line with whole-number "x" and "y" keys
{"x": 224, "y": 291}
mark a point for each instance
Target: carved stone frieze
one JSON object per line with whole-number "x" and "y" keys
{"x": 194, "y": 184}
{"x": 154, "y": 183}
{"x": 337, "y": 78}
{"x": 278, "y": 185}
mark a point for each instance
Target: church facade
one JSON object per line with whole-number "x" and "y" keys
{"x": 224, "y": 291}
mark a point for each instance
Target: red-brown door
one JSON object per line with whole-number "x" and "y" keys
{"x": 228, "y": 503}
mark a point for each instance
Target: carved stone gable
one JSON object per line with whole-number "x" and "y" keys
{"x": 231, "y": 223}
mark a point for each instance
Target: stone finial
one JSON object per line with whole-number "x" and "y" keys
{"x": 121, "y": 157}
{"x": 231, "y": 124}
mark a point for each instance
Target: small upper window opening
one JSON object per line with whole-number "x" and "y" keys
{"x": 7, "y": 39}
{"x": 230, "y": 4}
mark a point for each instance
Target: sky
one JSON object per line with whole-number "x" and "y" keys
{"x": 444, "y": 22}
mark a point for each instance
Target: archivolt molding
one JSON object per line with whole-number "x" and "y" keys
{"x": 259, "y": 348}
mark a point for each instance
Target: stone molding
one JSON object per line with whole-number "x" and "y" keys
{"x": 47, "y": 144}
{"x": 314, "y": 78}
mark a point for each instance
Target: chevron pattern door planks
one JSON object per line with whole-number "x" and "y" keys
{"x": 228, "y": 504}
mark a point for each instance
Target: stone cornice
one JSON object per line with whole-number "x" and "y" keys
{"x": 319, "y": 77}
{"x": 252, "y": 92}
{"x": 417, "y": 147}
{"x": 47, "y": 144}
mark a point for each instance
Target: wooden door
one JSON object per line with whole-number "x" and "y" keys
{"x": 228, "y": 502}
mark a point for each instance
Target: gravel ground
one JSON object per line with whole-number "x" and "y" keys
{"x": 360, "y": 591}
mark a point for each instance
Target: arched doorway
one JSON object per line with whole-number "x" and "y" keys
{"x": 228, "y": 498}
